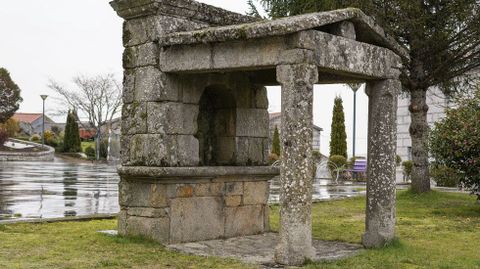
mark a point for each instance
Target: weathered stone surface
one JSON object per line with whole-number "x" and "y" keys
{"x": 128, "y": 86}
{"x": 152, "y": 228}
{"x": 184, "y": 191}
{"x": 255, "y": 193}
{"x": 345, "y": 29}
{"x": 382, "y": 130}
{"x": 241, "y": 172}
{"x": 233, "y": 188}
{"x": 251, "y": 151}
{"x": 122, "y": 222}
{"x": 259, "y": 53}
{"x": 141, "y": 55}
{"x": 345, "y": 55}
{"x": 296, "y": 170}
{"x": 134, "y": 118}
{"x": 252, "y": 122}
{"x": 209, "y": 189}
{"x": 138, "y": 194}
{"x": 188, "y": 9}
{"x": 259, "y": 249}
{"x": 172, "y": 118}
{"x": 372, "y": 33}
{"x": 261, "y": 98}
{"x": 163, "y": 150}
{"x": 153, "y": 85}
{"x": 243, "y": 220}
{"x": 148, "y": 212}
{"x": 233, "y": 200}
{"x": 195, "y": 219}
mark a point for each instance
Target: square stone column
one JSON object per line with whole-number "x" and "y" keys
{"x": 382, "y": 138}
{"x": 296, "y": 171}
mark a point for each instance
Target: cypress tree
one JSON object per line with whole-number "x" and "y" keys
{"x": 9, "y": 96}
{"x": 276, "y": 142}
{"x": 71, "y": 139}
{"x": 338, "y": 136}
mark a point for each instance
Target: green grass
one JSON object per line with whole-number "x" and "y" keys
{"x": 435, "y": 230}
{"x": 85, "y": 144}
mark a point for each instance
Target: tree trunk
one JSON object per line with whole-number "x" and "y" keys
{"x": 97, "y": 144}
{"x": 419, "y": 135}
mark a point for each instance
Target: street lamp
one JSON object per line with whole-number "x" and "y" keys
{"x": 43, "y": 96}
{"x": 354, "y": 87}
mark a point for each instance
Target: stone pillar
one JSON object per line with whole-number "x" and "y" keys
{"x": 382, "y": 138}
{"x": 295, "y": 245}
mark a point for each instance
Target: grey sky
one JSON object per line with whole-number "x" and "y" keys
{"x": 59, "y": 39}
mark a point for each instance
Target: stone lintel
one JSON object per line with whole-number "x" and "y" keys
{"x": 207, "y": 172}
{"x": 344, "y": 29}
{"x": 130, "y": 9}
{"x": 344, "y": 57}
{"x": 347, "y": 57}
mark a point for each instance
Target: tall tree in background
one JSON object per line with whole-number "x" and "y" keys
{"x": 338, "y": 136}
{"x": 442, "y": 38}
{"x": 9, "y": 96}
{"x": 99, "y": 98}
{"x": 276, "y": 142}
{"x": 71, "y": 138}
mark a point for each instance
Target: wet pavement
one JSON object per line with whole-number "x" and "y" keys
{"x": 33, "y": 190}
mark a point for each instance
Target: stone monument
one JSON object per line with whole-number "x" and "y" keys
{"x": 195, "y": 120}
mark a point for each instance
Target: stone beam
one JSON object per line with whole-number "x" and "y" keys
{"x": 382, "y": 141}
{"x": 296, "y": 170}
{"x": 344, "y": 57}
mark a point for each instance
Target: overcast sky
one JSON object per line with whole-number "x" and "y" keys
{"x": 59, "y": 39}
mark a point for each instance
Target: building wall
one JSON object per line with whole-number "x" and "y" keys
{"x": 436, "y": 102}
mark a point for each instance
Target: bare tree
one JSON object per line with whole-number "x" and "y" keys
{"x": 98, "y": 98}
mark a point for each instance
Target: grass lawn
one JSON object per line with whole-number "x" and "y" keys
{"x": 435, "y": 230}
{"x": 85, "y": 144}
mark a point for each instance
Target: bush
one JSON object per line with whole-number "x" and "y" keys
{"x": 407, "y": 169}
{"x": 11, "y": 127}
{"x": 3, "y": 137}
{"x": 455, "y": 141}
{"x": 336, "y": 163}
{"x": 35, "y": 138}
{"x": 317, "y": 156}
{"x": 90, "y": 152}
{"x": 444, "y": 176}
{"x": 398, "y": 160}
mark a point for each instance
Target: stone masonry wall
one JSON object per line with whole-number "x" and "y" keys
{"x": 184, "y": 212}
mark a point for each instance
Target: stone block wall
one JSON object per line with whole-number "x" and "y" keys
{"x": 174, "y": 212}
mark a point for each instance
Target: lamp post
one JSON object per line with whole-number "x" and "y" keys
{"x": 43, "y": 96}
{"x": 354, "y": 87}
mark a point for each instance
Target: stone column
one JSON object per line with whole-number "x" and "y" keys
{"x": 382, "y": 139}
{"x": 295, "y": 245}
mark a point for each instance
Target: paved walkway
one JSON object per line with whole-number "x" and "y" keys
{"x": 259, "y": 249}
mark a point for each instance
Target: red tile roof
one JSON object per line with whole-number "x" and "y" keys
{"x": 275, "y": 114}
{"x": 26, "y": 117}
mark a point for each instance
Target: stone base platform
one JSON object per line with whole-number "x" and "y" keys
{"x": 259, "y": 249}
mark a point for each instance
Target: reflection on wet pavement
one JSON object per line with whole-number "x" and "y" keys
{"x": 30, "y": 190}
{"x": 55, "y": 189}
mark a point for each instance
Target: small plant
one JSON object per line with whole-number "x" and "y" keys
{"x": 398, "y": 160}
{"x": 407, "y": 169}
{"x": 444, "y": 176}
{"x": 35, "y": 138}
{"x": 337, "y": 165}
{"x": 90, "y": 152}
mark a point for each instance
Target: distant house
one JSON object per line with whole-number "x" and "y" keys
{"x": 276, "y": 120}
{"x": 31, "y": 123}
